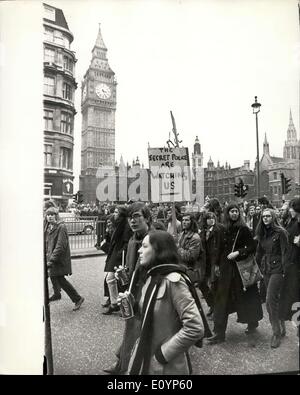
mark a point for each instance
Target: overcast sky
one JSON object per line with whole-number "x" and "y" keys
{"x": 204, "y": 60}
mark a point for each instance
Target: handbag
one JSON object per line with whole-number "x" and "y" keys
{"x": 248, "y": 269}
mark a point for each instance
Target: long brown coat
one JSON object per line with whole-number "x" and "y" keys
{"x": 58, "y": 250}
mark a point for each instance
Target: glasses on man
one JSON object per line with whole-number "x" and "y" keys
{"x": 135, "y": 216}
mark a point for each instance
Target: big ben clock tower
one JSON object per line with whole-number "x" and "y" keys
{"x": 98, "y": 107}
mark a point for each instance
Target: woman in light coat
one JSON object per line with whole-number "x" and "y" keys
{"x": 171, "y": 321}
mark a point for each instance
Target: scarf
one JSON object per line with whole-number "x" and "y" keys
{"x": 142, "y": 358}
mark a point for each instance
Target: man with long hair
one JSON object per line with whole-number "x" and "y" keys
{"x": 139, "y": 219}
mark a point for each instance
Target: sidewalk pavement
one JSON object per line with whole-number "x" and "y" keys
{"x": 86, "y": 252}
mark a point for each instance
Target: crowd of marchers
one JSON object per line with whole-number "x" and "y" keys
{"x": 164, "y": 256}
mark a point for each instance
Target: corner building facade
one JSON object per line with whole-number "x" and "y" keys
{"x": 98, "y": 107}
{"x": 59, "y": 111}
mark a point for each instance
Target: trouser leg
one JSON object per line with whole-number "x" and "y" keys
{"x": 56, "y": 286}
{"x": 273, "y": 286}
{"x": 206, "y": 292}
{"x": 69, "y": 289}
{"x": 112, "y": 287}
{"x": 221, "y": 325}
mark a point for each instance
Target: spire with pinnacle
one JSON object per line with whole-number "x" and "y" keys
{"x": 266, "y": 146}
{"x": 99, "y": 61}
{"x": 99, "y": 41}
{"x": 291, "y": 132}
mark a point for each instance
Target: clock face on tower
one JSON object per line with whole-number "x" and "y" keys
{"x": 103, "y": 91}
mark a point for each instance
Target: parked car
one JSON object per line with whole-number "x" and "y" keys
{"x": 78, "y": 225}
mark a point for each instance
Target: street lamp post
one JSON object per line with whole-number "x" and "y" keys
{"x": 256, "y": 108}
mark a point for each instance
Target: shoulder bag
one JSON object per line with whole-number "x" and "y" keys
{"x": 248, "y": 269}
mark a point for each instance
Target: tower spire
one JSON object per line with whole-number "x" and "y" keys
{"x": 266, "y": 146}
{"x": 99, "y": 40}
{"x": 291, "y": 132}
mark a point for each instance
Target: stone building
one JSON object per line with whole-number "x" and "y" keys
{"x": 272, "y": 167}
{"x": 98, "y": 107}
{"x": 59, "y": 110}
{"x": 219, "y": 180}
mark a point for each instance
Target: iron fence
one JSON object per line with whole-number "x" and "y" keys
{"x": 84, "y": 232}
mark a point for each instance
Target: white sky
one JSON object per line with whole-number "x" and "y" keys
{"x": 204, "y": 60}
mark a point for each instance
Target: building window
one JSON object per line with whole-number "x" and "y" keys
{"x": 275, "y": 190}
{"x": 66, "y": 123}
{"x": 66, "y": 42}
{"x": 67, "y": 91}
{"x": 49, "y": 86}
{"x": 48, "y": 34}
{"x": 48, "y": 117}
{"x": 275, "y": 175}
{"x": 47, "y": 155}
{"x": 68, "y": 64}
{"x": 65, "y": 158}
{"x": 47, "y": 191}
{"x": 49, "y": 13}
{"x": 58, "y": 37}
{"x": 49, "y": 55}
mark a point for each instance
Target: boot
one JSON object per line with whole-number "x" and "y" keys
{"x": 282, "y": 328}
{"x": 251, "y": 328}
{"x": 107, "y": 303}
{"x": 275, "y": 341}
{"x": 111, "y": 309}
{"x": 54, "y": 297}
{"x": 276, "y": 328}
{"x": 215, "y": 339}
{"x": 114, "y": 369}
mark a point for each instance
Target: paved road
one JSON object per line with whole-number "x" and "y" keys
{"x": 84, "y": 341}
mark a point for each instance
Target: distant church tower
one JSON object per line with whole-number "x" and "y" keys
{"x": 266, "y": 146}
{"x": 291, "y": 150}
{"x": 197, "y": 155}
{"x": 98, "y": 107}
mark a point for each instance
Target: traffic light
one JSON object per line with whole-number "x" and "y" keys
{"x": 244, "y": 190}
{"x": 285, "y": 184}
{"x": 237, "y": 190}
{"x": 75, "y": 198}
{"x": 80, "y": 198}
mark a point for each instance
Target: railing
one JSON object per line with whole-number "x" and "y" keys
{"x": 84, "y": 232}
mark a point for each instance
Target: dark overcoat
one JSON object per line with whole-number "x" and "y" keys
{"x": 213, "y": 245}
{"x": 230, "y": 296}
{"x": 118, "y": 244}
{"x": 271, "y": 251}
{"x": 58, "y": 250}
